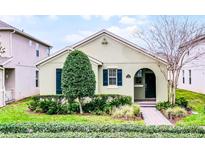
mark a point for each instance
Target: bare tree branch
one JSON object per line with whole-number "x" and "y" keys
{"x": 174, "y": 38}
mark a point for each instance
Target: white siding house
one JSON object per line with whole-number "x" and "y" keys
{"x": 192, "y": 75}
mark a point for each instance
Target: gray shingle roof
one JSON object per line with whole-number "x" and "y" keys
{"x": 5, "y": 26}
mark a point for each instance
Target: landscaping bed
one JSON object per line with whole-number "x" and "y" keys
{"x": 117, "y": 106}
{"x": 19, "y": 113}
{"x": 63, "y": 130}
{"x": 175, "y": 112}
{"x": 189, "y": 109}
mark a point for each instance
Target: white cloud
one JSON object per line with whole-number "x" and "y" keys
{"x": 53, "y": 17}
{"x": 106, "y": 17}
{"x": 128, "y": 20}
{"x": 16, "y": 19}
{"x": 73, "y": 38}
{"x": 86, "y": 17}
{"x": 139, "y": 20}
{"x": 126, "y": 32}
{"x": 103, "y": 17}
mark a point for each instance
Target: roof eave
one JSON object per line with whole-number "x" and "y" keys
{"x": 26, "y": 35}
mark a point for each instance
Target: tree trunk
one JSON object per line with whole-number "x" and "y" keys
{"x": 80, "y": 105}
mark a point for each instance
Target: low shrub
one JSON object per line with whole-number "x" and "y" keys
{"x": 33, "y": 104}
{"x": 6, "y": 128}
{"x": 182, "y": 102}
{"x": 52, "y": 105}
{"x": 126, "y": 112}
{"x": 103, "y": 104}
{"x": 57, "y": 104}
{"x": 69, "y": 108}
{"x": 164, "y": 105}
{"x": 176, "y": 112}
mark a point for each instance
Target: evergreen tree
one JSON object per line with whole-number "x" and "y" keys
{"x": 78, "y": 78}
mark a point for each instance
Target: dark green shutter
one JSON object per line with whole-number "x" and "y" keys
{"x": 105, "y": 77}
{"x": 58, "y": 81}
{"x": 119, "y": 77}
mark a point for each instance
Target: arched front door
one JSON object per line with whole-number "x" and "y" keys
{"x": 145, "y": 85}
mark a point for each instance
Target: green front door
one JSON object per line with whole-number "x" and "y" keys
{"x": 150, "y": 85}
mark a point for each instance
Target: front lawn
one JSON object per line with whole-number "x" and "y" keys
{"x": 19, "y": 113}
{"x": 197, "y": 103}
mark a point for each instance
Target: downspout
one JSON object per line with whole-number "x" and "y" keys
{"x": 11, "y": 41}
{"x": 3, "y": 88}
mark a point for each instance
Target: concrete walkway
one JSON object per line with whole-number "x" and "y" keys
{"x": 153, "y": 117}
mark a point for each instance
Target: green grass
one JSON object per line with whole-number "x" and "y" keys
{"x": 19, "y": 113}
{"x": 197, "y": 103}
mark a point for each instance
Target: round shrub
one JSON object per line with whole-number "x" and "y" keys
{"x": 176, "y": 112}
{"x": 163, "y": 105}
{"x": 182, "y": 102}
{"x": 126, "y": 111}
{"x": 136, "y": 109}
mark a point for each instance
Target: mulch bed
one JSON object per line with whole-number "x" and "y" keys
{"x": 174, "y": 120}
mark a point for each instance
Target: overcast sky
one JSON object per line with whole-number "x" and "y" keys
{"x": 61, "y": 31}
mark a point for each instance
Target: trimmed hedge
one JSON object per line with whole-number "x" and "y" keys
{"x": 102, "y": 135}
{"x": 110, "y": 128}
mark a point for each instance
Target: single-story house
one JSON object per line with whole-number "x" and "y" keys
{"x": 120, "y": 67}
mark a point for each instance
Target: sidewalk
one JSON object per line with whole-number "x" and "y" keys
{"x": 153, "y": 117}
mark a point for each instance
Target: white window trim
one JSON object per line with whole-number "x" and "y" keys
{"x": 112, "y": 86}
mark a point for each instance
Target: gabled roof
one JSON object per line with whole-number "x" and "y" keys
{"x": 4, "y": 26}
{"x": 98, "y": 34}
{"x": 63, "y": 51}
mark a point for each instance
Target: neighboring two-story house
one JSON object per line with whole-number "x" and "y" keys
{"x": 192, "y": 75}
{"x": 19, "y": 53}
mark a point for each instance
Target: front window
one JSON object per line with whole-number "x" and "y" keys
{"x": 189, "y": 76}
{"x": 112, "y": 76}
{"x": 37, "y": 53}
{"x": 183, "y": 77}
{"x": 48, "y": 51}
{"x": 37, "y": 78}
{"x": 37, "y": 50}
{"x": 138, "y": 77}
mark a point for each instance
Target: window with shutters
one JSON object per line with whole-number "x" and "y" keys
{"x": 112, "y": 76}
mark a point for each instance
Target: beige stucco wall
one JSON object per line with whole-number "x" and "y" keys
{"x": 114, "y": 54}
{"x": 47, "y": 75}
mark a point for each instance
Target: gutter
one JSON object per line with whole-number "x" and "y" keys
{"x": 3, "y": 86}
